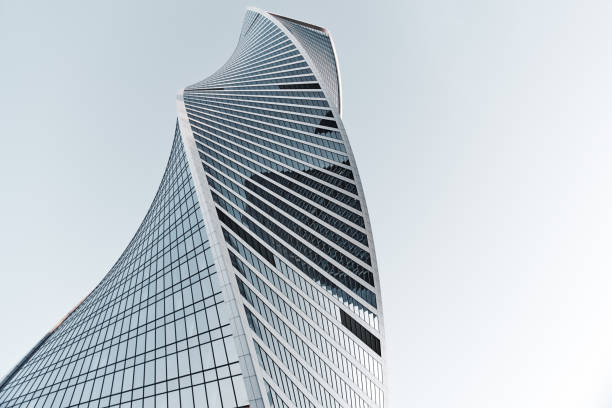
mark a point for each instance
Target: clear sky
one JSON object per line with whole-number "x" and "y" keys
{"x": 482, "y": 132}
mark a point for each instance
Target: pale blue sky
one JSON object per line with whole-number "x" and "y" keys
{"x": 482, "y": 134}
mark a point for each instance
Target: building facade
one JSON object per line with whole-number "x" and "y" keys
{"x": 252, "y": 280}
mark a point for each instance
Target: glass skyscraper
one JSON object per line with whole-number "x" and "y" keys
{"x": 252, "y": 280}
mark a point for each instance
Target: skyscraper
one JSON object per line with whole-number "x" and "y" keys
{"x": 252, "y": 280}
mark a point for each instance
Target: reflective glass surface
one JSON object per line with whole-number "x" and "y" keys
{"x": 153, "y": 333}
{"x": 268, "y": 134}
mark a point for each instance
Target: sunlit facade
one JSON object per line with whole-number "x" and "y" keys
{"x": 252, "y": 280}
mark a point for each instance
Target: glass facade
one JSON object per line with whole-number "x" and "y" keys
{"x": 252, "y": 280}
{"x": 154, "y": 333}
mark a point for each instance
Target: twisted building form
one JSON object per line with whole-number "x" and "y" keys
{"x": 252, "y": 280}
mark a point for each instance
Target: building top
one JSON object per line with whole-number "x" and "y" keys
{"x": 315, "y": 43}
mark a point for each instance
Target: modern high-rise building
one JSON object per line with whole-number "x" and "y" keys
{"x": 252, "y": 281}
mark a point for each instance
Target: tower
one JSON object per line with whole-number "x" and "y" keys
{"x": 252, "y": 280}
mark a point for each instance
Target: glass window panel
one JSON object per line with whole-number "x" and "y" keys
{"x": 207, "y": 356}
{"x": 180, "y": 329}
{"x": 97, "y": 389}
{"x": 206, "y": 287}
{"x": 108, "y": 382}
{"x": 170, "y": 333}
{"x": 174, "y": 399}
{"x": 186, "y": 398}
{"x": 190, "y": 322}
{"x": 199, "y": 396}
{"x": 161, "y": 401}
{"x": 219, "y": 351}
{"x": 138, "y": 375}
{"x": 213, "y": 319}
{"x": 117, "y": 382}
{"x": 127, "y": 379}
{"x": 172, "y": 366}
{"x": 160, "y": 369}
{"x": 227, "y": 393}
{"x": 194, "y": 359}
{"x": 230, "y": 348}
{"x": 149, "y": 372}
{"x": 212, "y": 393}
{"x": 183, "y": 362}
{"x": 201, "y": 321}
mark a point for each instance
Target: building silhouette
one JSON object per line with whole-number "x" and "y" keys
{"x": 252, "y": 280}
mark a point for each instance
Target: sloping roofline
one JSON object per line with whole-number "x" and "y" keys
{"x": 314, "y": 27}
